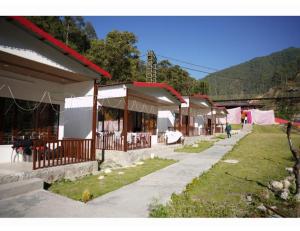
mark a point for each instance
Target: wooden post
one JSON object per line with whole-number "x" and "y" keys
{"x": 211, "y": 122}
{"x": 180, "y": 118}
{"x": 189, "y": 118}
{"x": 125, "y": 121}
{"x": 94, "y": 121}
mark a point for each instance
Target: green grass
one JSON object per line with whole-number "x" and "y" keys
{"x": 190, "y": 149}
{"x": 236, "y": 126}
{"x": 221, "y": 136}
{"x": 263, "y": 156}
{"x": 111, "y": 181}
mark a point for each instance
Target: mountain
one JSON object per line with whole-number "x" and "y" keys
{"x": 257, "y": 77}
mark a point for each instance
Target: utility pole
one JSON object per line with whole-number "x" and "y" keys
{"x": 151, "y": 67}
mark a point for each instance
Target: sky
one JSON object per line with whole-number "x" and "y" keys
{"x": 210, "y": 41}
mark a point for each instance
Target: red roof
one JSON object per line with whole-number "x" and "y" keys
{"x": 283, "y": 121}
{"x": 200, "y": 96}
{"x": 163, "y": 86}
{"x": 62, "y": 46}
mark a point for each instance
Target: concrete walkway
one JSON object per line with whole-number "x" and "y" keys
{"x": 129, "y": 201}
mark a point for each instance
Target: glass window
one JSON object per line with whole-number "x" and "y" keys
{"x": 40, "y": 123}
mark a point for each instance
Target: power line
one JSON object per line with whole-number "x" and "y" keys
{"x": 182, "y": 61}
{"x": 192, "y": 69}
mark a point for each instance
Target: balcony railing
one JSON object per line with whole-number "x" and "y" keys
{"x": 61, "y": 152}
{"x": 115, "y": 140}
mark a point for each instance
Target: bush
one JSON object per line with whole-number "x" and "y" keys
{"x": 86, "y": 196}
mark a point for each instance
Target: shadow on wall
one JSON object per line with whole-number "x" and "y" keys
{"x": 78, "y": 122}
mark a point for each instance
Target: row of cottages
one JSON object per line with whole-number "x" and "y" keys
{"x": 50, "y": 97}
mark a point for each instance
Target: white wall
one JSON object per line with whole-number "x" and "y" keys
{"x": 78, "y": 115}
{"x": 165, "y": 119}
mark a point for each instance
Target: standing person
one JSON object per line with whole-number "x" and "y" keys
{"x": 243, "y": 118}
{"x": 246, "y": 118}
{"x": 228, "y": 130}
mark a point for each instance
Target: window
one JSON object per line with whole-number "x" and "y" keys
{"x": 40, "y": 123}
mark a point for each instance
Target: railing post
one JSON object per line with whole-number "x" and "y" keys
{"x": 180, "y": 119}
{"x": 189, "y": 117}
{"x": 125, "y": 121}
{"x": 34, "y": 158}
{"x": 94, "y": 121}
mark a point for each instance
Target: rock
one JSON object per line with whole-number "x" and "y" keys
{"x": 249, "y": 198}
{"x": 297, "y": 197}
{"x": 231, "y": 161}
{"x": 290, "y": 178}
{"x": 100, "y": 177}
{"x": 276, "y": 185}
{"x": 139, "y": 163}
{"x": 262, "y": 208}
{"x": 289, "y": 170}
{"x": 266, "y": 194}
{"x": 273, "y": 207}
{"x": 107, "y": 170}
{"x": 284, "y": 195}
{"x": 152, "y": 155}
{"x": 286, "y": 184}
{"x": 195, "y": 145}
{"x": 121, "y": 173}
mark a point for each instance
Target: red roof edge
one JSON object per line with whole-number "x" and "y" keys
{"x": 200, "y": 96}
{"x": 66, "y": 49}
{"x": 163, "y": 86}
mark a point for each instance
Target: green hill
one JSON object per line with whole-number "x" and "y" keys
{"x": 258, "y": 76}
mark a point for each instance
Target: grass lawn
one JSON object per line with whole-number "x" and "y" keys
{"x": 221, "y": 192}
{"x": 111, "y": 181}
{"x": 190, "y": 149}
{"x": 221, "y": 136}
{"x": 236, "y": 126}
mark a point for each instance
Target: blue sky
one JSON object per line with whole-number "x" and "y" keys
{"x": 217, "y": 42}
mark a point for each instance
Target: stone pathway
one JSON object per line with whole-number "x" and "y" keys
{"x": 129, "y": 201}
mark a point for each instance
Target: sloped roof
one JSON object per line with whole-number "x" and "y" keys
{"x": 27, "y": 24}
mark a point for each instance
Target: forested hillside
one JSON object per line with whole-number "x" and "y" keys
{"x": 257, "y": 76}
{"x": 117, "y": 53}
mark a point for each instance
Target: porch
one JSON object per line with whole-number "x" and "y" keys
{"x": 127, "y": 116}
{"x": 43, "y": 84}
{"x": 194, "y": 120}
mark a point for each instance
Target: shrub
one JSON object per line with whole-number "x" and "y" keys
{"x": 86, "y": 196}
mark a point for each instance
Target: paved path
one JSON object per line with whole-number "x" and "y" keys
{"x": 129, "y": 201}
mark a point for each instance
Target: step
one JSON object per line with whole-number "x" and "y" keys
{"x": 20, "y": 187}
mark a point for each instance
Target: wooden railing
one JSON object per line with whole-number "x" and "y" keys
{"x": 139, "y": 140}
{"x": 61, "y": 152}
{"x": 110, "y": 141}
{"x": 115, "y": 141}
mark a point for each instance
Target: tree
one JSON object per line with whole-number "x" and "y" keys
{"x": 118, "y": 54}
{"x": 51, "y": 24}
{"x": 90, "y": 31}
{"x": 70, "y": 30}
{"x": 296, "y": 156}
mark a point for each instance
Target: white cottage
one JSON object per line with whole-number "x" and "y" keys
{"x": 43, "y": 83}
{"x": 128, "y": 114}
{"x": 194, "y": 120}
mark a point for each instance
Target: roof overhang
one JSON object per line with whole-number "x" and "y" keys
{"x": 18, "y": 65}
{"x": 159, "y": 94}
{"x": 66, "y": 50}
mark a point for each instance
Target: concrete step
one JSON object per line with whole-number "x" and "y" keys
{"x": 20, "y": 187}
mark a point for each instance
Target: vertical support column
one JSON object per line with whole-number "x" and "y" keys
{"x": 180, "y": 118}
{"x": 189, "y": 117}
{"x": 212, "y": 121}
{"x": 94, "y": 121}
{"x": 125, "y": 121}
